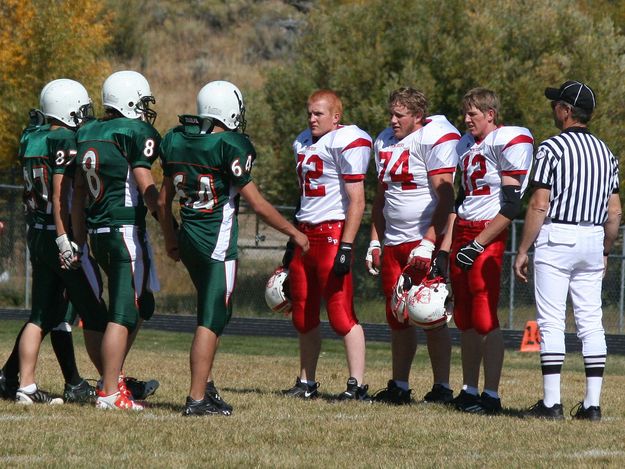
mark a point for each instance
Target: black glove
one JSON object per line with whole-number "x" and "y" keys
{"x": 466, "y": 256}
{"x": 343, "y": 260}
{"x": 440, "y": 266}
{"x": 288, "y": 254}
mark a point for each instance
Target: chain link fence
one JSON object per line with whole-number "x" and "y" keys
{"x": 261, "y": 250}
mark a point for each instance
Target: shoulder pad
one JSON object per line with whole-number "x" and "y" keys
{"x": 465, "y": 143}
{"x": 346, "y": 135}
{"x": 504, "y": 135}
{"x": 385, "y": 138}
{"x": 436, "y": 128}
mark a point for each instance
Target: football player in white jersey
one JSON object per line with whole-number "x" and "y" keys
{"x": 331, "y": 163}
{"x": 494, "y": 161}
{"x": 415, "y": 161}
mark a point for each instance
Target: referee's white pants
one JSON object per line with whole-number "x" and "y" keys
{"x": 569, "y": 259}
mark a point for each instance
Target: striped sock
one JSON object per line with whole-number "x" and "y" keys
{"x": 594, "y": 365}
{"x": 551, "y": 367}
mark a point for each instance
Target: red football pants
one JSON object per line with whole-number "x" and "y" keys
{"x": 311, "y": 280}
{"x": 394, "y": 259}
{"x": 476, "y": 292}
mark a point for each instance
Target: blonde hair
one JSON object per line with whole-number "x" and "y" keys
{"x": 482, "y": 99}
{"x": 414, "y": 100}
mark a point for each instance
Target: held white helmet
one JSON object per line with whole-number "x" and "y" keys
{"x": 129, "y": 93}
{"x": 65, "y": 100}
{"x": 399, "y": 305}
{"x": 223, "y": 101}
{"x": 276, "y": 292}
{"x": 426, "y": 304}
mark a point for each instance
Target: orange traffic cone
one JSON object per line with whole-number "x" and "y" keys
{"x": 531, "y": 338}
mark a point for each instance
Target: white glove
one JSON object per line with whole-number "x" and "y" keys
{"x": 69, "y": 253}
{"x": 421, "y": 256}
{"x": 372, "y": 259}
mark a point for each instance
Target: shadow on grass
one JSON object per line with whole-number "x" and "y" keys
{"x": 177, "y": 407}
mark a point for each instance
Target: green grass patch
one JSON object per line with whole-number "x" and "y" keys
{"x": 267, "y": 430}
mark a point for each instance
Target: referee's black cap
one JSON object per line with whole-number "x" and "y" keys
{"x": 575, "y": 93}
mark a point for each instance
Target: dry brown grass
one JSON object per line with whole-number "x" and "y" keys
{"x": 267, "y": 430}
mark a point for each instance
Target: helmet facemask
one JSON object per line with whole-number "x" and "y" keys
{"x": 242, "y": 123}
{"x": 143, "y": 106}
{"x": 36, "y": 118}
{"x": 85, "y": 113}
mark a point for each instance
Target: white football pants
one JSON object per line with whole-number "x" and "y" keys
{"x": 569, "y": 259}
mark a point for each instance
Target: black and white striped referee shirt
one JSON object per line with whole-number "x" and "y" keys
{"x": 582, "y": 174}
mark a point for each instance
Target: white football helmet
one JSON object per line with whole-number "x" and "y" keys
{"x": 426, "y": 304}
{"x": 400, "y": 294}
{"x": 223, "y": 101}
{"x": 276, "y": 292}
{"x": 129, "y": 93}
{"x": 65, "y": 100}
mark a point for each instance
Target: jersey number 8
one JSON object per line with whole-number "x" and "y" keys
{"x": 90, "y": 166}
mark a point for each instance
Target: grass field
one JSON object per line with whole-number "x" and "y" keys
{"x": 267, "y": 430}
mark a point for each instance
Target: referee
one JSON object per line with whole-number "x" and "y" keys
{"x": 573, "y": 219}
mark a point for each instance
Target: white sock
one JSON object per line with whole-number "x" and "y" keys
{"x": 31, "y": 388}
{"x": 308, "y": 383}
{"x": 445, "y": 385}
{"x": 403, "y": 385}
{"x": 470, "y": 389}
{"x": 491, "y": 393}
{"x": 593, "y": 391}
{"x": 551, "y": 388}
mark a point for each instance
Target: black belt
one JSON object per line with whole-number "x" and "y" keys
{"x": 566, "y": 222}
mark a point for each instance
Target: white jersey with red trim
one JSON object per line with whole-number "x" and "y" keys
{"x": 404, "y": 167}
{"x": 324, "y": 165}
{"x": 505, "y": 151}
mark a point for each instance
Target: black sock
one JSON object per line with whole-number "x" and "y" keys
{"x": 63, "y": 346}
{"x": 12, "y": 366}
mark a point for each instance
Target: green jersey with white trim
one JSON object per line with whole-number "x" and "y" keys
{"x": 207, "y": 171}
{"x": 43, "y": 152}
{"x": 108, "y": 151}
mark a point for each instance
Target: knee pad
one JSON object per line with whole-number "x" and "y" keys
{"x": 485, "y": 327}
{"x": 302, "y": 325}
{"x": 94, "y": 323}
{"x": 342, "y": 326}
{"x": 593, "y": 343}
{"x": 215, "y": 325}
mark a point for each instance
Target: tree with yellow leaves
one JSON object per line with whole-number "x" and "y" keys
{"x": 40, "y": 41}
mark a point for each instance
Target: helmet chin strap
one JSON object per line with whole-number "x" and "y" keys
{"x": 207, "y": 125}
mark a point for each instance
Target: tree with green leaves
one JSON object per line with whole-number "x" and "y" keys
{"x": 40, "y": 41}
{"x": 363, "y": 50}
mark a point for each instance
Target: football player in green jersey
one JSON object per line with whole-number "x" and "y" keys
{"x": 46, "y": 155}
{"x": 115, "y": 155}
{"x": 207, "y": 162}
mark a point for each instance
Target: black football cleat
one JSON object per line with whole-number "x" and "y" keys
{"x": 82, "y": 393}
{"x": 439, "y": 395}
{"x": 141, "y": 390}
{"x": 541, "y": 411}
{"x": 302, "y": 390}
{"x": 355, "y": 392}
{"x": 202, "y": 407}
{"x": 212, "y": 395}
{"x": 592, "y": 413}
{"x": 393, "y": 394}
